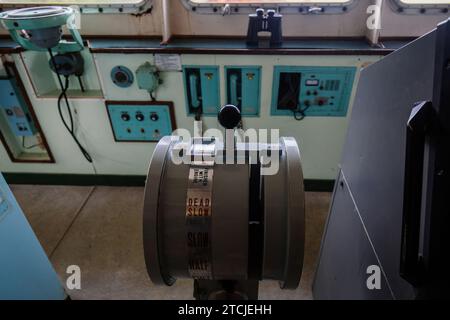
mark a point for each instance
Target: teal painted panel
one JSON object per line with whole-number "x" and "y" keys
{"x": 209, "y": 77}
{"x": 243, "y": 87}
{"x": 147, "y": 123}
{"x": 25, "y": 271}
{"x": 322, "y": 91}
{"x": 202, "y": 89}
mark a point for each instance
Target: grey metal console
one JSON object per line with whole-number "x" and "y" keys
{"x": 367, "y": 216}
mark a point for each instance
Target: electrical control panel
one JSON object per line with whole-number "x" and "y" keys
{"x": 14, "y": 109}
{"x": 243, "y": 88}
{"x": 201, "y": 87}
{"x": 313, "y": 91}
{"x": 140, "y": 120}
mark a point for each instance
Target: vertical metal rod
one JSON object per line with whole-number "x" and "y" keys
{"x": 167, "y": 32}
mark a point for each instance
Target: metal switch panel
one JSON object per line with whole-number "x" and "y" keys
{"x": 14, "y": 109}
{"x": 140, "y": 121}
{"x": 320, "y": 91}
{"x": 201, "y": 87}
{"x": 243, "y": 88}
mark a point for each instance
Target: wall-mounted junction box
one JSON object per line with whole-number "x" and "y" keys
{"x": 45, "y": 83}
{"x": 140, "y": 120}
{"x": 201, "y": 87}
{"x": 243, "y": 88}
{"x": 319, "y": 91}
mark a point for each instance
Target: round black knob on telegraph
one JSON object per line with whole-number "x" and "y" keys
{"x": 229, "y": 116}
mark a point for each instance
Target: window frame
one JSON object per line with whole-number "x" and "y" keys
{"x": 419, "y": 9}
{"x": 116, "y": 8}
{"x": 301, "y": 8}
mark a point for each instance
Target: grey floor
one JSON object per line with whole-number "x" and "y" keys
{"x": 100, "y": 230}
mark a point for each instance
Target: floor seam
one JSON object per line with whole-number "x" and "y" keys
{"x": 77, "y": 213}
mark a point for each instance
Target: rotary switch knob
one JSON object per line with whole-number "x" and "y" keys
{"x": 154, "y": 117}
{"x": 139, "y": 117}
{"x": 125, "y": 117}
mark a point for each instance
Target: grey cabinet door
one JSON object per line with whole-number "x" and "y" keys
{"x": 346, "y": 254}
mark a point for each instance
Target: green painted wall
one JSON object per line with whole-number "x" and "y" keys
{"x": 320, "y": 138}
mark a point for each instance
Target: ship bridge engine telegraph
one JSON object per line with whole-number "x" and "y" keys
{"x": 221, "y": 216}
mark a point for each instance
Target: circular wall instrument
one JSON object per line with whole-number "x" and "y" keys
{"x": 216, "y": 222}
{"x": 122, "y": 77}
